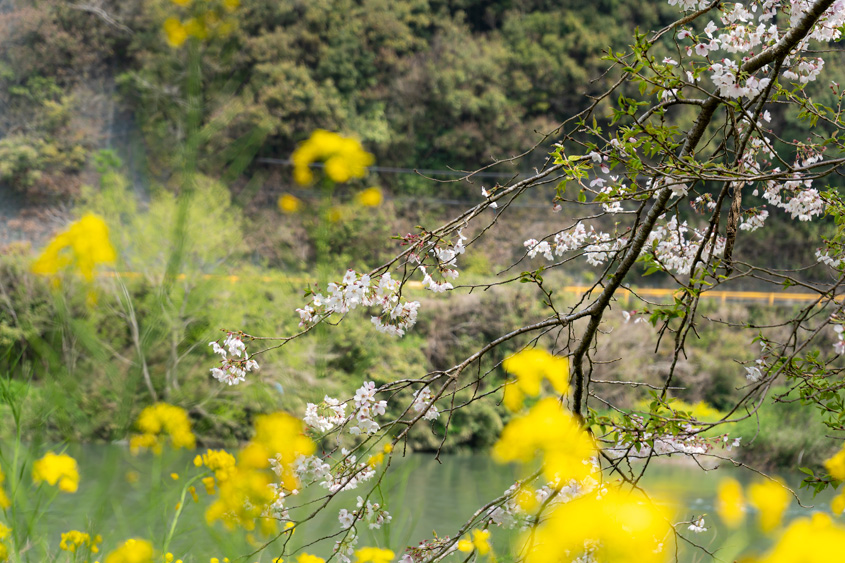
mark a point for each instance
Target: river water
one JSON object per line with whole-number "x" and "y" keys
{"x": 121, "y": 496}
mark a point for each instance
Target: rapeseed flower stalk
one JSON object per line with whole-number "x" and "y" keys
{"x": 344, "y": 158}
{"x": 770, "y": 498}
{"x": 83, "y": 246}
{"x": 133, "y": 550}
{"x": 158, "y": 419}
{"x": 530, "y": 368}
{"x": 58, "y": 469}
{"x": 548, "y": 429}
{"x": 614, "y": 526}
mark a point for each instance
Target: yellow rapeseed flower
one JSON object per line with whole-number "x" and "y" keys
{"x": 817, "y": 539}
{"x": 343, "y": 158}
{"x": 548, "y": 429}
{"x": 283, "y": 436}
{"x": 174, "y": 32}
{"x": 61, "y": 469}
{"x": 219, "y": 461}
{"x": 83, "y": 246}
{"x": 480, "y": 542}
{"x": 289, "y": 203}
{"x": 836, "y": 465}
{"x": 530, "y": 368}
{"x": 74, "y": 539}
{"x": 158, "y": 419}
{"x": 371, "y": 197}
{"x": 770, "y": 498}
{"x": 307, "y": 558}
{"x": 373, "y": 554}
{"x": 730, "y": 502}
{"x": 133, "y": 550}
{"x": 621, "y": 527}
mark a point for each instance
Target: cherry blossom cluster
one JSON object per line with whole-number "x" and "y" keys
{"x": 600, "y": 248}
{"x": 325, "y": 416}
{"x": 446, "y": 258}
{"x": 359, "y": 290}
{"x": 687, "y": 442}
{"x": 366, "y": 408}
{"x": 697, "y": 525}
{"x": 367, "y": 512}
{"x": 675, "y": 252}
{"x": 824, "y": 257}
{"x": 741, "y": 34}
{"x": 839, "y": 345}
{"x": 755, "y": 373}
{"x": 422, "y": 403}
{"x": 347, "y": 474}
{"x": 235, "y": 363}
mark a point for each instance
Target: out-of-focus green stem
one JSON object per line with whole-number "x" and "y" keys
{"x": 189, "y": 161}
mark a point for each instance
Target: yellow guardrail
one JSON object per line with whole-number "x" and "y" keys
{"x": 769, "y": 297}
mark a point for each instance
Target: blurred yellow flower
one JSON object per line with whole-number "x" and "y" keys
{"x": 343, "y": 158}
{"x": 4, "y": 499}
{"x": 181, "y": 2}
{"x": 808, "y": 540}
{"x": 480, "y": 542}
{"x": 158, "y": 419}
{"x": 836, "y": 465}
{"x": 134, "y": 550}
{"x": 371, "y": 197}
{"x": 219, "y": 461}
{"x": 231, "y": 5}
{"x": 334, "y": 215}
{"x": 307, "y": 558}
{"x": 530, "y": 368}
{"x": 61, "y": 469}
{"x": 174, "y": 32}
{"x": 289, "y": 203}
{"x": 618, "y": 525}
{"x": 84, "y": 246}
{"x": 730, "y": 503}
{"x": 373, "y": 554}
{"x": 548, "y": 429}
{"x": 196, "y": 28}
{"x": 245, "y": 489}
{"x": 770, "y": 498}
